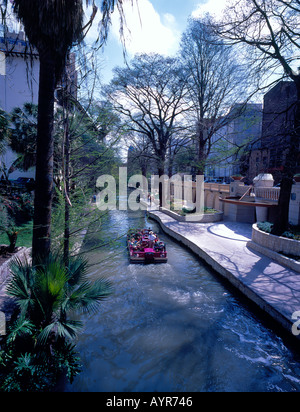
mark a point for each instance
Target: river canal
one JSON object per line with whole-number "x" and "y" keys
{"x": 175, "y": 327}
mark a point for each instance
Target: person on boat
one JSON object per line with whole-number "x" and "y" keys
{"x": 152, "y": 238}
{"x": 133, "y": 243}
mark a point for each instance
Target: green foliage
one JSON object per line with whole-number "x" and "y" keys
{"x": 23, "y": 135}
{"x": 38, "y": 349}
{"x": 292, "y": 233}
{"x": 15, "y": 212}
{"x": 19, "y": 208}
{"x": 4, "y": 131}
{"x": 24, "y": 233}
{"x": 32, "y": 372}
{"x": 8, "y": 226}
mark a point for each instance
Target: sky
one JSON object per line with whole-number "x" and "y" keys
{"x": 151, "y": 26}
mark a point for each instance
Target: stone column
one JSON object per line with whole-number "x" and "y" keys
{"x": 263, "y": 180}
{"x": 294, "y": 211}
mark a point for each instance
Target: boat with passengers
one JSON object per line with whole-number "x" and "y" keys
{"x": 144, "y": 246}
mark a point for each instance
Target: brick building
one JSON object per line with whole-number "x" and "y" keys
{"x": 277, "y": 124}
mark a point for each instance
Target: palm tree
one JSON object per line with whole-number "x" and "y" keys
{"x": 40, "y": 332}
{"x": 52, "y": 26}
{"x": 47, "y": 294}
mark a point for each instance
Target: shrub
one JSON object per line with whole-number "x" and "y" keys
{"x": 37, "y": 348}
{"x": 292, "y": 233}
{"x": 265, "y": 226}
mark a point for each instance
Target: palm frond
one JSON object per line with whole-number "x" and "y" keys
{"x": 77, "y": 270}
{"x": 19, "y": 328}
{"x": 88, "y": 295}
{"x": 50, "y": 285}
{"x": 21, "y": 283}
{"x": 67, "y": 329}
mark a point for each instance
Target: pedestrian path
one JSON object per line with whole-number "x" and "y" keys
{"x": 223, "y": 245}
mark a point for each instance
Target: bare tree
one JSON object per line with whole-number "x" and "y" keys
{"x": 214, "y": 83}
{"x": 150, "y": 93}
{"x": 270, "y": 30}
{"x": 53, "y": 27}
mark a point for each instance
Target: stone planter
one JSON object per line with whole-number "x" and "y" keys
{"x": 235, "y": 177}
{"x": 194, "y": 217}
{"x": 272, "y": 246}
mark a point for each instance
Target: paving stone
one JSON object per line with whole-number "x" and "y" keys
{"x": 224, "y": 246}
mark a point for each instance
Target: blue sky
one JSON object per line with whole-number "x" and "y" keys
{"x": 153, "y": 26}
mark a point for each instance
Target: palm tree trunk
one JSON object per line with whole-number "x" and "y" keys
{"x": 44, "y": 166}
{"x": 67, "y": 191}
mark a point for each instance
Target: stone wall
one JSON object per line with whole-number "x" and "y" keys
{"x": 274, "y": 247}
{"x": 194, "y": 217}
{"x": 294, "y": 211}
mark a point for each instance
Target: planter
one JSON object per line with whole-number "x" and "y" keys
{"x": 194, "y": 217}
{"x": 276, "y": 243}
{"x": 263, "y": 180}
{"x": 236, "y": 177}
{"x": 272, "y": 246}
{"x": 261, "y": 213}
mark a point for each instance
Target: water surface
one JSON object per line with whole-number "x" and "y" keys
{"x": 174, "y": 327}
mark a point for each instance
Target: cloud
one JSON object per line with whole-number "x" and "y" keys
{"x": 145, "y": 31}
{"x": 214, "y": 7}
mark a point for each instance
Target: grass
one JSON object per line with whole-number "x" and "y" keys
{"x": 24, "y": 236}
{"x": 185, "y": 211}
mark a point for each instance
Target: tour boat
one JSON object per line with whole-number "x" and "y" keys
{"x": 145, "y": 247}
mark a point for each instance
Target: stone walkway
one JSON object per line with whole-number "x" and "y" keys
{"x": 223, "y": 245}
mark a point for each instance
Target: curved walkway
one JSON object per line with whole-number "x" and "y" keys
{"x": 223, "y": 245}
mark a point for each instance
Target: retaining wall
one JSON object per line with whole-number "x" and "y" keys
{"x": 273, "y": 247}
{"x": 194, "y": 217}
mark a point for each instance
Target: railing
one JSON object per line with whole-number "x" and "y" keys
{"x": 217, "y": 187}
{"x": 267, "y": 193}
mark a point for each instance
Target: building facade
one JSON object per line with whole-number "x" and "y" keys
{"x": 19, "y": 84}
{"x": 231, "y": 143}
{"x": 19, "y": 79}
{"x": 277, "y": 124}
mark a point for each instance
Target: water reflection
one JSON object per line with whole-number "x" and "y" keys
{"x": 174, "y": 327}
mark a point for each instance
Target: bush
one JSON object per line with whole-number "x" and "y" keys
{"x": 265, "y": 226}
{"x": 292, "y": 233}
{"x": 37, "y": 349}
{"x": 20, "y": 208}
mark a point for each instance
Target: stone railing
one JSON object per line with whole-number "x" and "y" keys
{"x": 267, "y": 193}
{"x": 217, "y": 187}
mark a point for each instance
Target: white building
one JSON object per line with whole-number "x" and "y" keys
{"x": 19, "y": 77}
{"x": 19, "y": 83}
